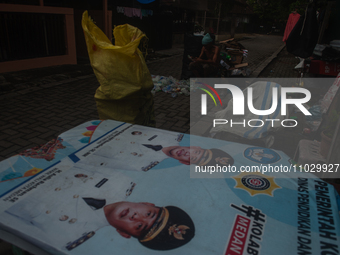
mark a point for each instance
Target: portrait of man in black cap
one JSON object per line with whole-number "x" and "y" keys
{"x": 158, "y": 228}
{"x": 198, "y": 156}
{"x": 149, "y": 150}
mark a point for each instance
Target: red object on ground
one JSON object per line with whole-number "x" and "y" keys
{"x": 324, "y": 67}
{"x": 292, "y": 20}
{"x": 306, "y": 131}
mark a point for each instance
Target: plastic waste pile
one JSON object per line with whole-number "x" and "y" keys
{"x": 314, "y": 120}
{"x": 322, "y": 106}
{"x": 245, "y": 55}
{"x": 170, "y": 85}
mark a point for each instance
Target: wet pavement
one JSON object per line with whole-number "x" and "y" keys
{"x": 37, "y": 105}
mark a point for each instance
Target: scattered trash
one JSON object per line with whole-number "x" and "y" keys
{"x": 170, "y": 85}
{"x": 224, "y": 64}
{"x": 316, "y": 112}
{"x": 246, "y": 71}
{"x": 232, "y": 44}
{"x": 241, "y": 65}
{"x": 236, "y": 72}
{"x": 314, "y": 120}
{"x": 185, "y": 91}
{"x": 301, "y": 64}
{"x": 307, "y": 130}
{"x": 314, "y": 125}
{"x": 291, "y": 123}
{"x": 236, "y": 56}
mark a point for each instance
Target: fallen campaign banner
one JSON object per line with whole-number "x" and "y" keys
{"x": 133, "y": 190}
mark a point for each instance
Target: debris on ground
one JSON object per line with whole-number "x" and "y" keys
{"x": 231, "y": 44}
{"x": 233, "y": 54}
{"x": 170, "y": 85}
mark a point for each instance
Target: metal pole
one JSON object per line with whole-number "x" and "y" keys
{"x": 106, "y": 27}
{"x": 205, "y": 18}
{"x": 218, "y": 21}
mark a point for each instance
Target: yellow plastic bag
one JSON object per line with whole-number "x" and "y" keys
{"x": 125, "y": 87}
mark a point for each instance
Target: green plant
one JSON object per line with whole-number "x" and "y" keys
{"x": 331, "y": 123}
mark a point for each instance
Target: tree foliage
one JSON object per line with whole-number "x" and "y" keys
{"x": 221, "y": 7}
{"x": 272, "y": 11}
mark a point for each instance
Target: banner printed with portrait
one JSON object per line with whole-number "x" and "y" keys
{"x": 129, "y": 147}
{"x": 267, "y": 205}
{"x": 214, "y": 206}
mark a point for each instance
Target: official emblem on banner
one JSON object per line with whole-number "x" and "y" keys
{"x": 262, "y": 155}
{"x": 256, "y": 183}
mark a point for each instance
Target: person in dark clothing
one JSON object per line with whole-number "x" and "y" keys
{"x": 208, "y": 62}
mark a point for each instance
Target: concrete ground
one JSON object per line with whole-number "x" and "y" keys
{"x": 37, "y": 105}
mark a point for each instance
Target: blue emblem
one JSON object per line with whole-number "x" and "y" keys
{"x": 261, "y": 155}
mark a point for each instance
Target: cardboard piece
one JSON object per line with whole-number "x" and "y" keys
{"x": 241, "y": 65}
{"x": 236, "y": 56}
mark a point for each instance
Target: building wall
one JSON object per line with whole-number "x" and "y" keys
{"x": 70, "y": 53}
